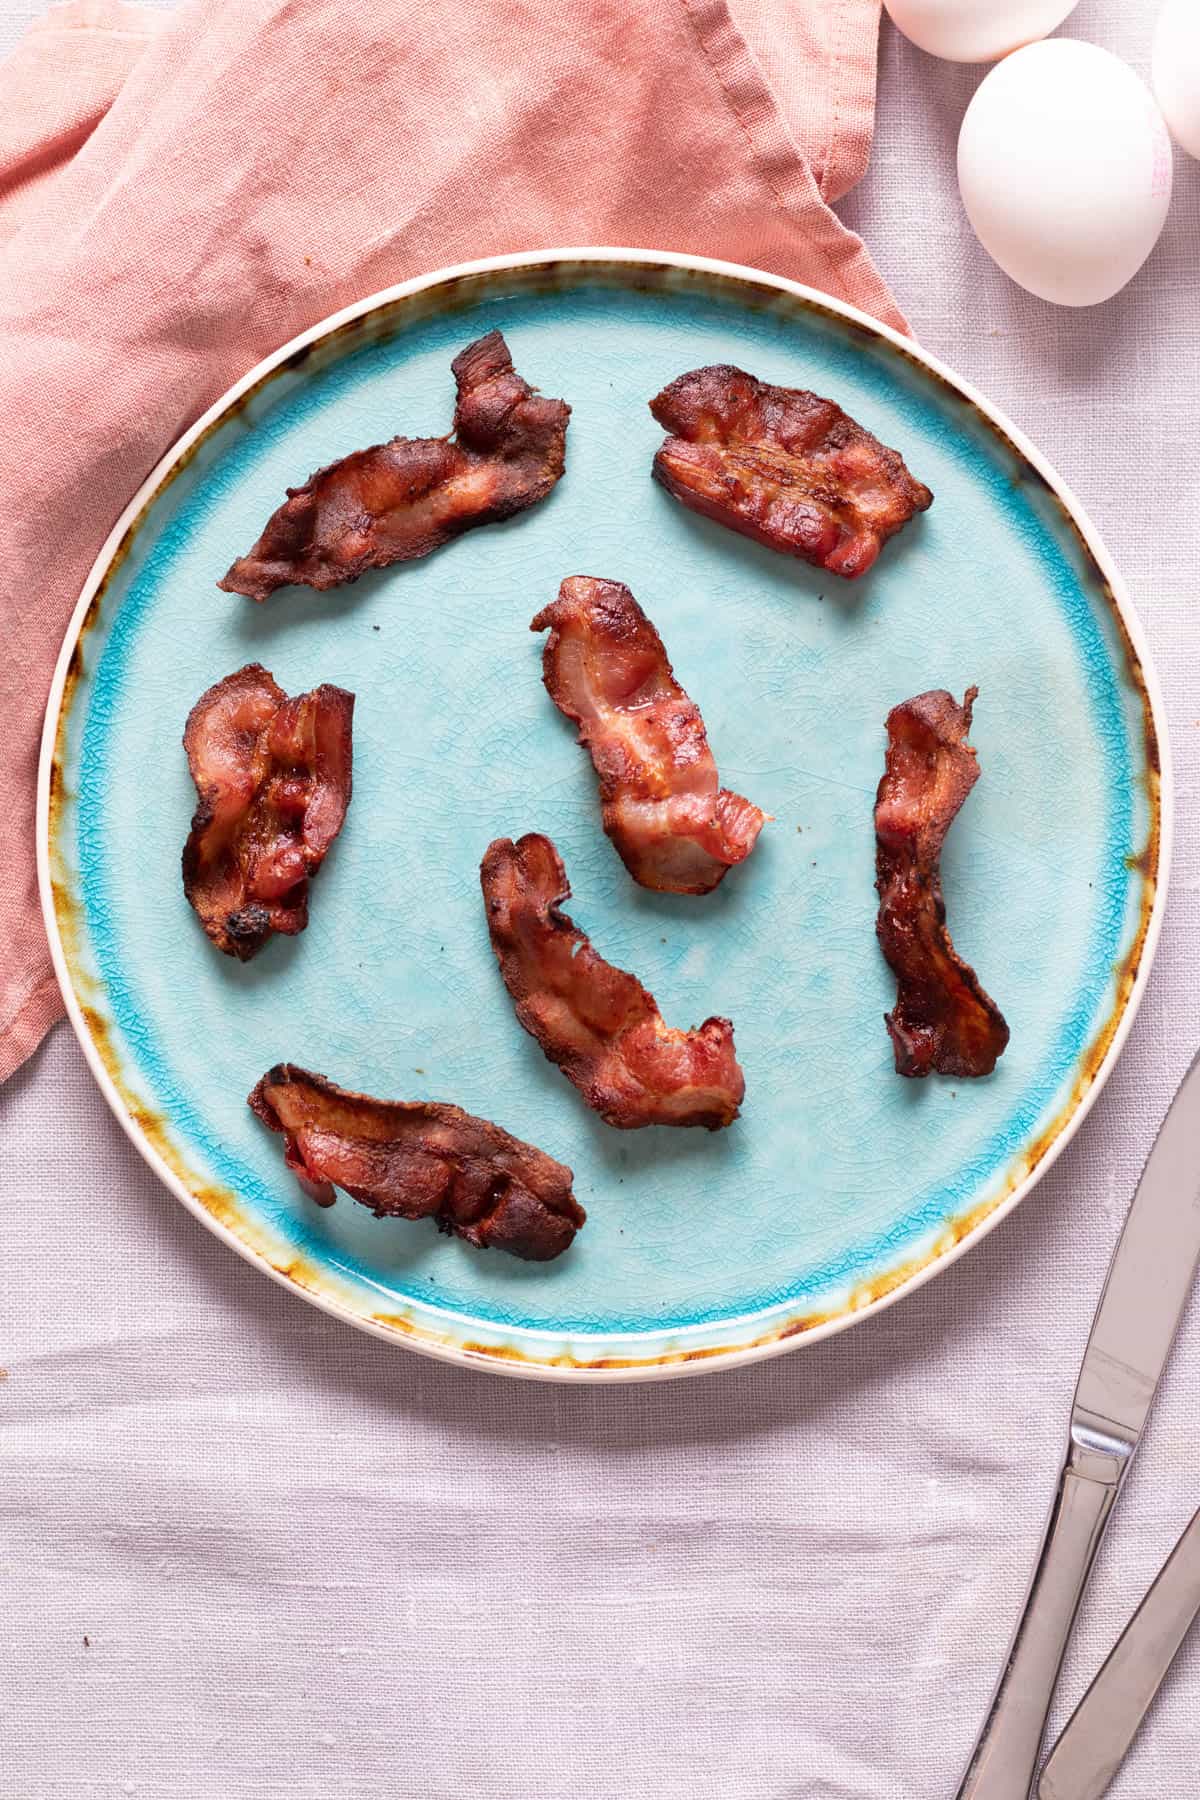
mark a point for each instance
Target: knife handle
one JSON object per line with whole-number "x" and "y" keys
{"x": 1004, "y": 1762}
{"x": 1105, "y": 1723}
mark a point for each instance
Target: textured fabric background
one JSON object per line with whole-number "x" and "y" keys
{"x": 180, "y": 194}
{"x": 247, "y": 1553}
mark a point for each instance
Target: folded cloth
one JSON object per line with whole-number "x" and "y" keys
{"x": 182, "y": 192}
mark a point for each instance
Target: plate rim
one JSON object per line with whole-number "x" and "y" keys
{"x": 792, "y": 1333}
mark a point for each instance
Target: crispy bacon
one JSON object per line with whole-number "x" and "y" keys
{"x": 605, "y": 667}
{"x": 273, "y": 779}
{"x": 419, "y": 1159}
{"x": 783, "y": 466}
{"x": 597, "y": 1023}
{"x": 943, "y": 1020}
{"x": 402, "y": 499}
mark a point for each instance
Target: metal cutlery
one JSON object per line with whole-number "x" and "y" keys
{"x": 1135, "y": 1324}
{"x": 1105, "y": 1723}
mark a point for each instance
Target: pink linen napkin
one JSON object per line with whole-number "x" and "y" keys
{"x": 180, "y": 193}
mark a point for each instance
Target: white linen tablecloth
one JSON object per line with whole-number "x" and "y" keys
{"x": 249, "y": 1552}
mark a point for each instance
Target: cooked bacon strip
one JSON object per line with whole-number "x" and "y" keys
{"x": 943, "y": 1020}
{"x": 605, "y": 667}
{"x": 402, "y": 499}
{"x": 273, "y": 777}
{"x": 419, "y": 1159}
{"x": 783, "y": 466}
{"x": 597, "y": 1023}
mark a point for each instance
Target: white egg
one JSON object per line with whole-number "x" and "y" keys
{"x": 1176, "y": 71}
{"x": 1064, "y": 166}
{"x": 976, "y": 30}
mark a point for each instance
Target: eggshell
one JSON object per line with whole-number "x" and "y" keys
{"x": 1175, "y": 71}
{"x": 1064, "y": 166}
{"x": 976, "y": 30}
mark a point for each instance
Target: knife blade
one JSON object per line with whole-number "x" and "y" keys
{"x": 1106, "y": 1721}
{"x": 1148, "y": 1282}
{"x": 1144, "y": 1293}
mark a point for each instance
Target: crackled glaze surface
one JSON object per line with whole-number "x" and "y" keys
{"x": 840, "y": 1182}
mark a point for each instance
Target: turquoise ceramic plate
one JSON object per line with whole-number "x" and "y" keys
{"x": 841, "y": 1185}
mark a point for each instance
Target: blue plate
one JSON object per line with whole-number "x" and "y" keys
{"x": 841, "y": 1184}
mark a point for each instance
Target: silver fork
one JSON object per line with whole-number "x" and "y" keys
{"x": 1147, "y": 1284}
{"x": 1105, "y": 1723}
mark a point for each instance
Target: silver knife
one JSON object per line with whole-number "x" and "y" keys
{"x": 1144, "y": 1294}
{"x": 1106, "y": 1721}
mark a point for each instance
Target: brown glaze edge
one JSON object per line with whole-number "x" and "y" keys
{"x": 225, "y": 1208}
